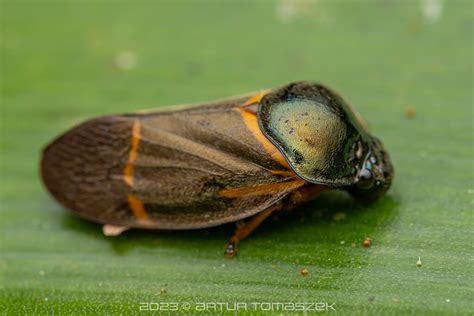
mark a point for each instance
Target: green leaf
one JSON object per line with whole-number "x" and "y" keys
{"x": 63, "y": 62}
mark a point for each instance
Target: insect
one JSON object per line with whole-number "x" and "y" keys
{"x": 216, "y": 163}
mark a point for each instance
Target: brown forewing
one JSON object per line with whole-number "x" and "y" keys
{"x": 183, "y": 160}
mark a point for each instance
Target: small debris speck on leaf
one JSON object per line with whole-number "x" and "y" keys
{"x": 367, "y": 242}
{"x": 304, "y": 272}
{"x": 410, "y": 112}
{"x": 418, "y": 263}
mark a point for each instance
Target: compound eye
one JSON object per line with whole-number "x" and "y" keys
{"x": 365, "y": 179}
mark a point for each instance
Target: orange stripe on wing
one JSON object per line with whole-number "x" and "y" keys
{"x": 256, "y": 98}
{"x": 251, "y": 122}
{"x": 286, "y": 173}
{"x": 134, "y": 202}
{"x": 264, "y": 189}
{"x": 137, "y": 208}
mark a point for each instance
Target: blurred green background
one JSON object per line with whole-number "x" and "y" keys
{"x": 407, "y": 67}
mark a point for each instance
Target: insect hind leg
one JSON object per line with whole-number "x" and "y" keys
{"x": 244, "y": 230}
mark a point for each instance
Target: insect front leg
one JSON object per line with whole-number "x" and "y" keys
{"x": 244, "y": 230}
{"x": 304, "y": 194}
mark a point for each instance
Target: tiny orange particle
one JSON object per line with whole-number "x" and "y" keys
{"x": 304, "y": 272}
{"x": 410, "y": 112}
{"x": 366, "y": 243}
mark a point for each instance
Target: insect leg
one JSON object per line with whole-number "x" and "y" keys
{"x": 245, "y": 230}
{"x": 306, "y": 193}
